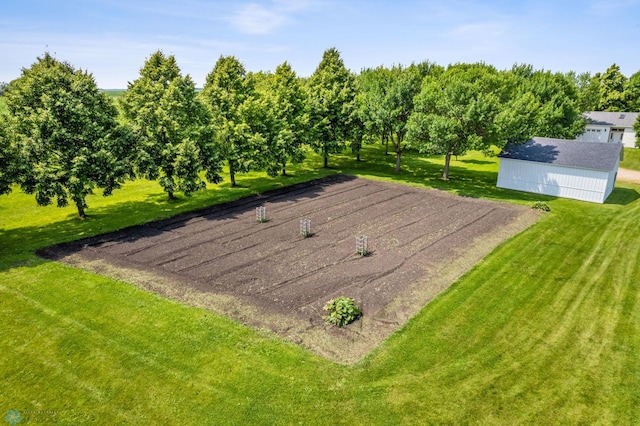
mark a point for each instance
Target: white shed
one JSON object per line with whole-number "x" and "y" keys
{"x": 563, "y": 168}
{"x": 605, "y": 126}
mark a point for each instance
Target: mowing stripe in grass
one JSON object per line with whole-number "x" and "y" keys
{"x": 543, "y": 346}
{"x": 545, "y": 330}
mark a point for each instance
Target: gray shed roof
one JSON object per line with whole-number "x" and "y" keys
{"x": 563, "y": 152}
{"x": 613, "y": 119}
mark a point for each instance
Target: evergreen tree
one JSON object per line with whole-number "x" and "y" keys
{"x": 236, "y": 116}
{"x": 331, "y": 103}
{"x": 286, "y": 127}
{"x": 177, "y": 141}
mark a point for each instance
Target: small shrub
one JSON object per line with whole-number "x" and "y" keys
{"x": 341, "y": 311}
{"x": 543, "y": 207}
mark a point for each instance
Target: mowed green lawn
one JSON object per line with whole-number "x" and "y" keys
{"x": 631, "y": 159}
{"x": 545, "y": 330}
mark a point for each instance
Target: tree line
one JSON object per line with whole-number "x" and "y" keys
{"x": 61, "y": 137}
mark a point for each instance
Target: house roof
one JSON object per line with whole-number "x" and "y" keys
{"x": 563, "y": 152}
{"x": 613, "y": 119}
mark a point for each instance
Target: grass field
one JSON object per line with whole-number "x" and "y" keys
{"x": 631, "y": 159}
{"x": 545, "y": 330}
{"x": 114, "y": 93}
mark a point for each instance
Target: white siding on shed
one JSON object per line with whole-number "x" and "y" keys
{"x": 611, "y": 180}
{"x": 560, "y": 181}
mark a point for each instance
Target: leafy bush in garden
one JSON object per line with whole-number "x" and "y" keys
{"x": 544, "y": 207}
{"x": 341, "y": 311}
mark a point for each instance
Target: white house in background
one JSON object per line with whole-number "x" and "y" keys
{"x": 563, "y": 168}
{"x": 604, "y": 126}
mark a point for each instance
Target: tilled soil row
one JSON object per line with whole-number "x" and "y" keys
{"x": 269, "y": 276}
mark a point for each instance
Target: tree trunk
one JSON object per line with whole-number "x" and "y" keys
{"x": 358, "y": 156}
{"x": 398, "y": 148}
{"x": 232, "y": 173}
{"x": 447, "y": 161}
{"x": 284, "y": 170}
{"x": 81, "y": 213}
{"x": 171, "y": 195}
{"x": 325, "y": 154}
{"x": 386, "y": 145}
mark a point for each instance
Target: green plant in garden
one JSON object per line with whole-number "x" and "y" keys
{"x": 341, "y": 311}
{"x": 542, "y": 206}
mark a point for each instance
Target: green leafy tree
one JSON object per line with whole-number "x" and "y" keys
{"x": 632, "y": 93}
{"x": 67, "y": 134}
{"x": 612, "y": 90}
{"x": 455, "y": 112}
{"x": 388, "y": 99}
{"x": 399, "y": 104}
{"x": 236, "y": 116}
{"x": 357, "y": 129}
{"x": 285, "y": 126}
{"x": 331, "y": 102}
{"x": 539, "y": 103}
{"x": 636, "y": 128}
{"x": 372, "y": 86}
{"x": 8, "y": 157}
{"x": 177, "y": 142}
{"x": 588, "y": 88}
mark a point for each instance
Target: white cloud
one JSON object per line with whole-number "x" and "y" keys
{"x": 261, "y": 19}
{"x": 257, "y": 19}
{"x": 292, "y": 5}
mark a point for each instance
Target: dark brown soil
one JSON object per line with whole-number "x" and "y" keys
{"x": 268, "y": 276}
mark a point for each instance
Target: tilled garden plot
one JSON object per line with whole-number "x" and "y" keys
{"x": 267, "y": 275}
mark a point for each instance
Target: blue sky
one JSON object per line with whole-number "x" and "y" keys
{"x": 112, "y": 38}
